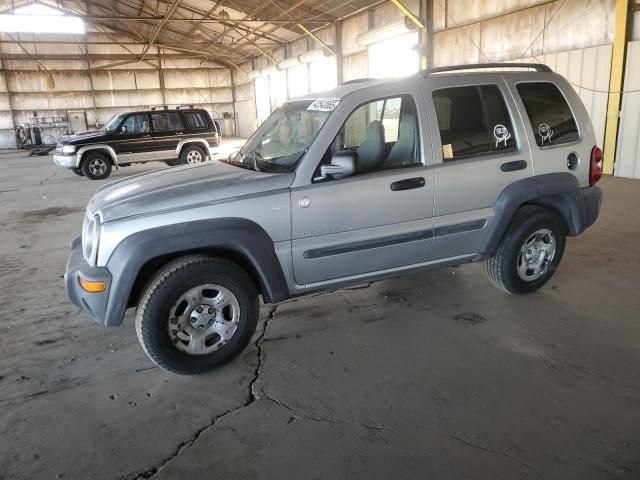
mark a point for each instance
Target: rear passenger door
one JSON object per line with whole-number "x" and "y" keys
{"x": 479, "y": 148}
{"x": 167, "y": 132}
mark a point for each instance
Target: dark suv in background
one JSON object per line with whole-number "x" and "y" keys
{"x": 181, "y": 135}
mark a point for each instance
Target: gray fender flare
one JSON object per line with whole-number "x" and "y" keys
{"x": 201, "y": 141}
{"x": 244, "y": 238}
{"x": 102, "y": 147}
{"x": 560, "y": 192}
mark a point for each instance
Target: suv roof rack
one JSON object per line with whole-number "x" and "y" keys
{"x": 538, "y": 67}
{"x": 184, "y": 107}
{"x": 160, "y": 107}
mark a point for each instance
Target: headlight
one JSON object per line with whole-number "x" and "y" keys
{"x": 90, "y": 238}
{"x": 67, "y": 149}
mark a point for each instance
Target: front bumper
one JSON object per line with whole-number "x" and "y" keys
{"x": 69, "y": 161}
{"x": 95, "y": 304}
{"x": 592, "y": 202}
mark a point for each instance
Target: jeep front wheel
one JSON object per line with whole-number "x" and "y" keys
{"x": 96, "y": 166}
{"x": 192, "y": 154}
{"x": 529, "y": 252}
{"x": 196, "y": 314}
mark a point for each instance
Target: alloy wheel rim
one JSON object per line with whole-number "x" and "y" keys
{"x": 203, "y": 319}
{"x": 194, "y": 156}
{"x": 97, "y": 167}
{"x": 536, "y": 254}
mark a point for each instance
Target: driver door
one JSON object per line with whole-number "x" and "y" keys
{"x": 378, "y": 219}
{"x": 133, "y": 142}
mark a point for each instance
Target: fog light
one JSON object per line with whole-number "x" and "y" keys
{"x": 92, "y": 287}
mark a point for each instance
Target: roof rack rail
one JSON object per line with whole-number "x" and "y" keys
{"x": 184, "y": 107}
{"x": 538, "y": 67}
{"x": 160, "y": 107}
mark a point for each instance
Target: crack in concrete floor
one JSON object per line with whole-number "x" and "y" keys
{"x": 252, "y": 396}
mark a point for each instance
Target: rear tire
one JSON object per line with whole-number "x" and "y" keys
{"x": 186, "y": 330}
{"x": 96, "y": 166}
{"x": 192, "y": 154}
{"x": 529, "y": 251}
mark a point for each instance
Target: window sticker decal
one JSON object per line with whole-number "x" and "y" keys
{"x": 324, "y": 104}
{"x": 545, "y": 132}
{"x": 447, "y": 151}
{"x": 501, "y": 134}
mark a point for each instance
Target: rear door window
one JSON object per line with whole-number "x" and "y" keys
{"x": 166, "y": 122}
{"x": 195, "y": 120}
{"x": 473, "y": 120}
{"x": 549, "y": 113}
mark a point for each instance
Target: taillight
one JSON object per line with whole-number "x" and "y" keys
{"x": 595, "y": 167}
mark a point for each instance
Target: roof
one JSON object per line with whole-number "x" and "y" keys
{"x": 225, "y": 31}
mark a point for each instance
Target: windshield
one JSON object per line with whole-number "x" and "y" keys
{"x": 114, "y": 122}
{"x": 283, "y": 139}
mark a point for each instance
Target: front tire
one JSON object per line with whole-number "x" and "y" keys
{"x": 192, "y": 154}
{"x": 96, "y": 166}
{"x": 196, "y": 314}
{"x": 529, "y": 252}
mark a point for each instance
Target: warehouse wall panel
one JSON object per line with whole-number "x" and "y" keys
{"x": 628, "y": 149}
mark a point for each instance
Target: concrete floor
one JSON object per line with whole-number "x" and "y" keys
{"x": 437, "y": 375}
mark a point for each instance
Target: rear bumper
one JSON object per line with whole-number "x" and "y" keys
{"x": 95, "y": 304}
{"x": 592, "y": 202}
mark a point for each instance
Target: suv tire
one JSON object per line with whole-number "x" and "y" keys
{"x": 529, "y": 251}
{"x": 192, "y": 154}
{"x": 96, "y": 166}
{"x": 184, "y": 306}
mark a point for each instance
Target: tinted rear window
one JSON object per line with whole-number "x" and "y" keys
{"x": 195, "y": 120}
{"x": 549, "y": 113}
{"x": 473, "y": 121}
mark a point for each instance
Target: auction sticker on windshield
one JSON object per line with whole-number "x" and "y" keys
{"x": 324, "y": 104}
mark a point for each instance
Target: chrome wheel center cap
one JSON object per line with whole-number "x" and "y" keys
{"x": 202, "y": 317}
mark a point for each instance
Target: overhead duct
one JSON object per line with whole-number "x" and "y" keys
{"x": 392, "y": 30}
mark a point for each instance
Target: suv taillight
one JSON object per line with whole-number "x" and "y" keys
{"x": 595, "y": 167}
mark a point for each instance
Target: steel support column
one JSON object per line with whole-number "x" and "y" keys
{"x": 616, "y": 84}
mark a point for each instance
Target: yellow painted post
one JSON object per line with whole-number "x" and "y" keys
{"x": 615, "y": 84}
{"x": 317, "y": 39}
{"x": 408, "y": 13}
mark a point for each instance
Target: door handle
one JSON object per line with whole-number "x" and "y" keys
{"x": 408, "y": 184}
{"x": 513, "y": 166}
{"x": 146, "y": 136}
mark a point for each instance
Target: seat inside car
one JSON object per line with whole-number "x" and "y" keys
{"x": 403, "y": 151}
{"x": 371, "y": 152}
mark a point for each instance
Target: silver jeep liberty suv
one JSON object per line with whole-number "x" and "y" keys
{"x": 371, "y": 180}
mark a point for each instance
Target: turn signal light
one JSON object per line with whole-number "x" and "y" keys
{"x": 93, "y": 287}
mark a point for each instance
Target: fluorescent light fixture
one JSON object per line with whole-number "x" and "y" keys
{"x": 36, "y": 18}
{"x": 288, "y": 63}
{"x": 254, "y": 74}
{"x": 381, "y": 34}
{"x": 268, "y": 70}
{"x": 313, "y": 56}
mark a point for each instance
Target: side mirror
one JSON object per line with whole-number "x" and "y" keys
{"x": 123, "y": 129}
{"x": 343, "y": 164}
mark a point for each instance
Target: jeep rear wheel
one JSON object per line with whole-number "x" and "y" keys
{"x": 529, "y": 252}
{"x": 196, "y": 314}
{"x": 96, "y": 166}
{"x": 192, "y": 154}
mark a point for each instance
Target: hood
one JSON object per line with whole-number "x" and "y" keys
{"x": 89, "y": 137}
{"x": 182, "y": 187}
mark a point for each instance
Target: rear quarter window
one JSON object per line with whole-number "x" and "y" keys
{"x": 195, "y": 120}
{"x": 549, "y": 113}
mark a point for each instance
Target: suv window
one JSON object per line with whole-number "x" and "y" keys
{"x": 136, "y": 124}
{"x": 383, "y": 132}
{"x": 549, "y": 113}
{"x": 473, "y": 120}
{"x": 163, "y": 122}
{"x": 195, "y": 120}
